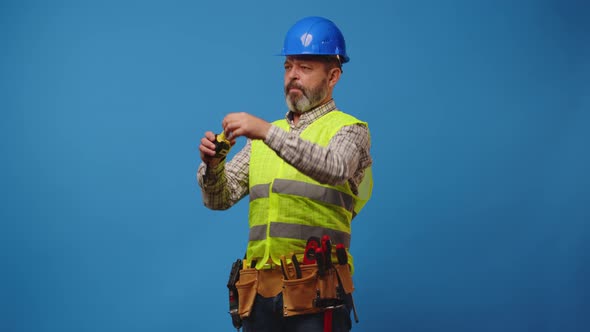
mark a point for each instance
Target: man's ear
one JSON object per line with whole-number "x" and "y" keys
{"x": 334, "y": 76}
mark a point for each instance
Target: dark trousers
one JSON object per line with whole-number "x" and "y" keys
{"x": 267, "y": 316}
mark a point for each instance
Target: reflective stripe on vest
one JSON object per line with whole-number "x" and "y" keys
{"x": 259, "y": 191}
{"x": 309, "y": 190}
{"x": 299, "y": 232}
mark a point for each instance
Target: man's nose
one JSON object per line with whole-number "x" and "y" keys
{"x": 292, "y": 74}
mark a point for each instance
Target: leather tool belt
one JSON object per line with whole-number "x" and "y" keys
{"x": 304, "y": 290}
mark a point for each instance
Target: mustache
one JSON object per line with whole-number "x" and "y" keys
{"x": 294, "y": 85}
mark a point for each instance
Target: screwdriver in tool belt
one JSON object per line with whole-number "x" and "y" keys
{"x": 341, "y": 254}
{"x": 327, "y": 248}
{"x": 320, "y": 259}
{"x": 296, "y": 266}
{"x": 284, "y": 267}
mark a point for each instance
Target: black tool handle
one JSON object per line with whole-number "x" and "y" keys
{"x": 341, "y": 254}
{"x": 320, "y": 259}
{"x": 327, "y": 247}
{"x": 234, "y": 274}
{"x": 296, "y": 266}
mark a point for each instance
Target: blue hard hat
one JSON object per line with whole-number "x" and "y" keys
{"x": 315, "y": 36}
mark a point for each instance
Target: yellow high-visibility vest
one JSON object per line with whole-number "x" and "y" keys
{"x": 287, "y": 207}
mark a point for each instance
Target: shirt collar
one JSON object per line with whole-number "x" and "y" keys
{"x": 313, "y": 114}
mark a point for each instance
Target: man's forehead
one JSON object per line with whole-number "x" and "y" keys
{"x": 305, "y": 58}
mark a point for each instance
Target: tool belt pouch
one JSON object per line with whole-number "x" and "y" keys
{"x": 299, "y": 294}
{"x": 246, "y": 287}
{"x": 308, "y": 294}
{"x": 327, "y": 285}
{"x": 345, "y": 277}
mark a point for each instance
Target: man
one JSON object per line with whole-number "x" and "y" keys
{"x": 307, "y": 175}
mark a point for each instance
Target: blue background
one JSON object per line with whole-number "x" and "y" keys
{"x": 479, "y": 113}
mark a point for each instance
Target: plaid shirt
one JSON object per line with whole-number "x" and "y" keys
{"x": 344, "y": 159}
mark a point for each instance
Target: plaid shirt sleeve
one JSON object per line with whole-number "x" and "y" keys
{"x": 344, "y": 159}
{"x": 227, "y": 183}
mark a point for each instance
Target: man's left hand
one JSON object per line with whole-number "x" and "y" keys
{"x": 244, "y": 124}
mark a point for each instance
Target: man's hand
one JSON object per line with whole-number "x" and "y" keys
{"x": 244, "y": 124}
{"x": 207, "y": 149}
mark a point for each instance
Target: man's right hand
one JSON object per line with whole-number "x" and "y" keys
{"x": 207, "y": 149}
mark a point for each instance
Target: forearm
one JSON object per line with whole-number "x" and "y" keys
{"x": 213, "y": 187}
{"x": 225, "y": 184}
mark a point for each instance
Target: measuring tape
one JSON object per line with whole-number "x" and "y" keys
{"x": 222, "y": 145}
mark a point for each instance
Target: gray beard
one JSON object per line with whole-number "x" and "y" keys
{"x": 301, "y": 105}
{"x": 308, "y": 100}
